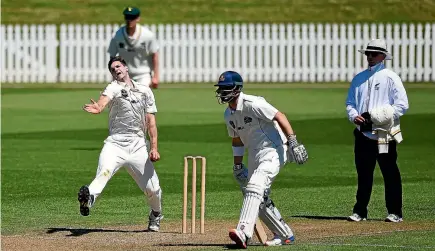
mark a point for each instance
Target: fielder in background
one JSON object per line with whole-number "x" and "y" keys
{"x": 375, "y": 102}
{"x": 267, "y": 134}
{"x": 137, "y": 45}
{"x": 131, "y": 116}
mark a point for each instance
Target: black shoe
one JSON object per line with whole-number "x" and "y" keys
{"x": 85, "y": 200}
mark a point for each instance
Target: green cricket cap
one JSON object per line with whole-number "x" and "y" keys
{"x": 131, "y": 11}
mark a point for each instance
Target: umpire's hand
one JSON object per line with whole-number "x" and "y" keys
{"x": 359, "y": 120}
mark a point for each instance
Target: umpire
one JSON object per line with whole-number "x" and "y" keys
{"x": 375, "y": 102}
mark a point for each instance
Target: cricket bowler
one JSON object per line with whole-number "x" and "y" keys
{"x": 131, "y": 116}
{"x": 138, "y": 46}
{"x": 255, "y": 124}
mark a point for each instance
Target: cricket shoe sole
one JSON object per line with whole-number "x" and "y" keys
{"x": 238, "y": 237}
{"x": 83, "y": 198}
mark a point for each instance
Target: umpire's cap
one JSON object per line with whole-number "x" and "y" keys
{"x": 131, "y": 12}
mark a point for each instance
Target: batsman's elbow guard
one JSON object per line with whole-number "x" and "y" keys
{"x": 238, "y": 150}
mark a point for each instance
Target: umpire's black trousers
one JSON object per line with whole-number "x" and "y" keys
{"x": 366, "y": 154}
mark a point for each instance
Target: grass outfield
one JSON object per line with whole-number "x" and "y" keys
{"x": 50, "y": 148}
{"x": 228, "y": 11}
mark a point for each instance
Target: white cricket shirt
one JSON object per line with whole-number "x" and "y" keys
{"x": 128, "y": 107}
{"x": 253, "y": 122}
{"x": 375, "y": 87}
{"x": 137, "y": 50}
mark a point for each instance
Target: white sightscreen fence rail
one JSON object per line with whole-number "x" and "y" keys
{"x": 199, "y": 53}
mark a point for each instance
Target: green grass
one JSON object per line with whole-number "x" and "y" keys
{"x": 228, "y": 11}
{"x": 419, "y": 240}
{"x": 50, "y": 148}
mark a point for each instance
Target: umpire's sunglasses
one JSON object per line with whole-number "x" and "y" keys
{"x": 372, "y": 53}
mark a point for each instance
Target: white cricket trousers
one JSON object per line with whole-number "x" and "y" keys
{"x": 130, "y": 152}
{"x": 263, "y": 167}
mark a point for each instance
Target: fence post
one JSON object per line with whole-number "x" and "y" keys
{"x": 3, "y": 54}
{"x": 304, "y": 59}
{"x": 297, "y": 53}
{"x": 411, "y": 61}
{"x": 343, "y": 44}
{"x": 419, "y": 58}
{"x": 433, "y": 52}
{"x": 404, "y": 54}
{"x": 427, "y": 44}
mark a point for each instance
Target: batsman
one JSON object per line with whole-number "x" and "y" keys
{"x": 255, "y": 124}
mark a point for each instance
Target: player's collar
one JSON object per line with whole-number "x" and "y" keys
{"x": 240, "y": 102}
{"x": 136, "y": 33}
{"x": 134, "y": 84}
{"x": 134, "y": 38}
{"x": 123, "y": 84}
{"x": 377, "y": 67}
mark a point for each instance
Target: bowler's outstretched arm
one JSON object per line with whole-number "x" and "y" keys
{"x": 97, "y": 107}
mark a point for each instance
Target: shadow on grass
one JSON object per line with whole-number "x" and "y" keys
{"x": 224, "y": 246}
{"x": 74, "y": 232}
{"x": 322, "y": 217}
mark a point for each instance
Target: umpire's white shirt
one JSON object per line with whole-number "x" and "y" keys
{"x": 127, "y": 109}
{"x": 253, "y": 122}
{"x": 137, "y": 50}
{"x": 375, "y": 87}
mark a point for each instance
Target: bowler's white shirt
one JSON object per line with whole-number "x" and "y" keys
{"x": 137, "y": 50}
{"x": 253, "y": 122}
{"x": 128, "y": 107}
{"x": 385, "y": 87}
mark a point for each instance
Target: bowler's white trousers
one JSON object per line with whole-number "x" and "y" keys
{"x": 131, "y": 152}
{"x": 263, "y": 167}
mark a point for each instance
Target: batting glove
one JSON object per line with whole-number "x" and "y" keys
{"x": 240, "y": 173}
{"x": 296, "y": 152}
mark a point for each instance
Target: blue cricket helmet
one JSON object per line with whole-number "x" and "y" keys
{"x": 229, "y": 85}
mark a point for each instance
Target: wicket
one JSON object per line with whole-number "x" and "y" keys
{"x": 186, "y": 173}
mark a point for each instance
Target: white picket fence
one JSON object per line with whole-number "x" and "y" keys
{"x": 199, "y": 53}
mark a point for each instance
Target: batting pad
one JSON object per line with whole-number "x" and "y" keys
{"x": 272, "y": 219}
{"x": 249, "y": 213}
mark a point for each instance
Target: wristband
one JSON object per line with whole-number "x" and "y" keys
{"x": 238, "y": 150}
{"x": 292, "y": 140}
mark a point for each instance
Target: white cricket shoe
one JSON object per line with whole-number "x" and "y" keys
{"x": 355, "y": 217}
{"x": 154, "y": 222}
{"x": 277, "y": 241}
{"x": 393, "y": 218}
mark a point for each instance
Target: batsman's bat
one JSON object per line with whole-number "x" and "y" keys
{"x": 259, "y": 231}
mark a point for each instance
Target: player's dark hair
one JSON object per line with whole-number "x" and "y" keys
{"x": 114, "y": 59}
